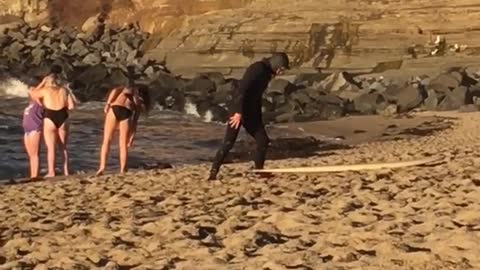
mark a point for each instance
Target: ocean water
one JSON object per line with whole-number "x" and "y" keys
{"x": 163, "y": 136}
{"x": 176, "y": 138}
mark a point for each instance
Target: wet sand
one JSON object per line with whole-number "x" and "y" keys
{"x": 177, "y": 139}
{"x": 407, "y": 218}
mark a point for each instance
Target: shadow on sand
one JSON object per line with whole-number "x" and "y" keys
{"x": 284, "y": 148}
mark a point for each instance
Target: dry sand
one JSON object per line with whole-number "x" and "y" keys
{"x": 408, "y": 218}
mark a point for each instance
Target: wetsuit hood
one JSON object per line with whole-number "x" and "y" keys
{"x": 278, "y": 60}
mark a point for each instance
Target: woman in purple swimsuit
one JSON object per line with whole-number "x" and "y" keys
{"x": 32, "y": 125}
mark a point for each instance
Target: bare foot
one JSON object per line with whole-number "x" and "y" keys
{"x": 50, "y": 175}
{"x": 100, "y": 172}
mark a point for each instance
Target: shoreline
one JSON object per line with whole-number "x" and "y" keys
{"x": 167, "y": 138}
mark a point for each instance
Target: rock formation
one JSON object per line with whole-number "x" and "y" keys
{"x": 219, "y": 34}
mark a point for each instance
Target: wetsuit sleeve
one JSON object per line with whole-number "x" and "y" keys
{"x": 245, "y": 84}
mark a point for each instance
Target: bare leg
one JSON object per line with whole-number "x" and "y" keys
{"x": 124, "y": 136}
{"x": 109, "y": 128}
{"x": 32, "y": 145}
{"x": 63, "y": 136}
{"x": 50, "y": 136}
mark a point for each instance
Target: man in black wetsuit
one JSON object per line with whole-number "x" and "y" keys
{"x": 247, "y": 109}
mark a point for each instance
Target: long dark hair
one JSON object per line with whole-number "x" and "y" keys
{"x": 145, "y": 97}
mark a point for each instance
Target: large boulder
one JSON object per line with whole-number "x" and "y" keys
{"x": 117, "y": 77}
{"x": 280, "y": 86}
{"x": 216, "y": 77}
{"x": 339, "y": 81}
{"x": 454, "y": 99}
{"x": 369, "y": 103}
{"x": 445, "y": 82}
{"x": 407, "y": 98}
{"x": 308, "y": 79}
{"x": 432, "y": 100}
{"x": 201, "y": 85}
{"x": 93, "y": 74}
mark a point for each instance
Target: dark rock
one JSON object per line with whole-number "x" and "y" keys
{"x": 136, "y": 42}
{"x": 268, "y": 106}
{"x": 278, "y": 99}
{"x": 200, "y": 85}
{"x": 280, "y": 86}
{"x": 38, "y": 55}
{"x": 445, "y": 82}
{"x": 349, "y": 95}
{"x": 301, "y": 97}
{"x": 55, "y": 46}
{"x": 93, "y": 74}
{"x": 174, "y": 101}
{"x": 64, "y": 67}
{"x": 313, "y": 93}
{"x": 227, "y": 87}
{"x": 5, "y": 40}
{"x": 454, "y": 99}
{"x": 222, "y": 95}
{"x": 158, "y": 93}
{"x": 407, "y": 98}
{"x": 32, "y": 43}
{"x": 339, "y": 81}
{"x": 467, "y": 80}
{"x": 308, "y": 79}
{"x": 65, "y": 39}
{"x": 131, "y": 56}
{"x": 285, "y": 117}
{"x": 330, "y": 99}
{"x": 168, "y": 81}
{"x": 40, "y": 71}
{"x": 16, "y": 35}
{"x": 99, "y": 46}
{"x": 432, "y": 100}
{"x": 369, "y": 103}
{"x": 78, "y": 48}
{"x": 122, "y": 47}
{"x": 92, "y": 59}
{"x": 378, "y": 87}
{"x": 330, "y": 111}
{"x": 473, "y": 93}
{"x": 215, "y": 77}
{"x": 14, "y": 51}
{"x": 287, "y": 107}
{"x": 91, "y": 92}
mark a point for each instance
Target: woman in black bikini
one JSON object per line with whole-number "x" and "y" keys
{"x": 57, "y": 101}
{"x": 122, "y": 111}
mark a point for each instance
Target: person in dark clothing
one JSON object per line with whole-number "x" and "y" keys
{"x": 246, "y": 109}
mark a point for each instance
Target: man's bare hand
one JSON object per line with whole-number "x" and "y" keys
{"x": 235, "y": 120}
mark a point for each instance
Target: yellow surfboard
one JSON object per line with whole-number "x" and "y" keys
{"x": 354, "y": 167}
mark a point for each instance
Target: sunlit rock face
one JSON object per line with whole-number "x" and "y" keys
{"x": 232, "y": 33}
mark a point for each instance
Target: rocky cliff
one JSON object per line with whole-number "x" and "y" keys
{"x": 218, "y": 34}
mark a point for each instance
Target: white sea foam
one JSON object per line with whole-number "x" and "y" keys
{"x": 208, "y": 116}
{"x": 191, "y": 109}
{"x": 13, "y": 87}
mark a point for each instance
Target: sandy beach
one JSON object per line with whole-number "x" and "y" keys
{"x": 408, "y": 218}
